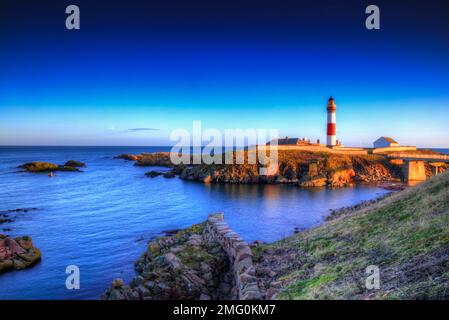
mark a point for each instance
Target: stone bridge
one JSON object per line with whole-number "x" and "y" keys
{"x": 414, "y": 169}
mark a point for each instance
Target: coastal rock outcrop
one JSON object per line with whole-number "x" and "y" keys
{"x": 181, "y": 266}
{"x": 161, "y": 159}
{"x": 9, "y": 215}
{"x": 40, "y": 166}
{"x": 157, "y": 159}
{"x": 341, "y": 178}
{"x": 305, "y": 169}
{"x": 205, "y": 261}
{"x": 167, "y": 174}
{"x": 74, "y": 164}
{"x": 129, "y": 157}
{"x": 18, "y": 253}
{"x": 153, "y": 174}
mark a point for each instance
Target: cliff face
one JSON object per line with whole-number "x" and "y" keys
{"x": 306, "y": 169}
{"x": 302, "y": 168}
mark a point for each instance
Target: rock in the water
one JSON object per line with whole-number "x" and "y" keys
{"x": 39, "y": 166}
{"x": 17, "y": 253}
{"x": 74, "y": 164}
{"x": 129, "y": 157}
{"x": 169, "y": 174}
{"x": 153, "y": 174}
{"x": 67, "y": 168}
{"x": 155, "y": 159}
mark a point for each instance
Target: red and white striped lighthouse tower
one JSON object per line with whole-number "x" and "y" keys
{"x": 331, "y": 130}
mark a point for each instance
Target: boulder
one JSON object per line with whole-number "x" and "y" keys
{"x": 172, "y": 260}
{"x": 309, "y": 182}
{"x": 117, "y": 283}
{"x": 153, "y": 174}
{"x": 17, "y": 253}
{"x": 68, "y": 168}
{"x": 169, "y": 174}
{"x": 341, "y": 178}
{"x": 74, "y": 164}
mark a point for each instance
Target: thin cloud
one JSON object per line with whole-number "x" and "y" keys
{"x": 141, "y": 129}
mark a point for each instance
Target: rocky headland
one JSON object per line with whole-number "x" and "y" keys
{"x": 18, "y": 253}
{"x": 304, "y": 169}
{"x": 40, "y": 166}
{"x": 301, "y": 168}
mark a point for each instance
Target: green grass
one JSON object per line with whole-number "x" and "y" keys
{"x": 303, "y": 288}
{"x": 410, "y": 226}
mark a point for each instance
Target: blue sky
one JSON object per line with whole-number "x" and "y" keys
{"x": 138, "y": 70}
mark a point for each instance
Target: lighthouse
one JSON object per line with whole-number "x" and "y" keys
{"x": 331, "y": 130}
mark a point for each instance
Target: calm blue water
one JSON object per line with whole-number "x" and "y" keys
{"x": 101, "y": 219}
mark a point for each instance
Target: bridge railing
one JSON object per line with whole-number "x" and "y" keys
{"x": 418, "y": 156}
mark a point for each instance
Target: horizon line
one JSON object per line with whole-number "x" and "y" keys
{"x": 160, "y": 146}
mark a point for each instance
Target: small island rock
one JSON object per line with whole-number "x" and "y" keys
{"x": 18, "y": 253}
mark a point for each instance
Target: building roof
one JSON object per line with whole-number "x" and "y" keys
{"x": 291, "y": 141}
{"x": 391, "y": 140}
{"x": 287, "y": 140}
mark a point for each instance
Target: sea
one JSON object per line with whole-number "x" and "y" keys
{"x": 101, "y": 219}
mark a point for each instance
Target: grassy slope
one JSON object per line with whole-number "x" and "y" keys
{"x": 406, "y": 235}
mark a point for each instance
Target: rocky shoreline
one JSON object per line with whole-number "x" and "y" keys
{"x": 347, "y": 211}
{"x": 18, "y": 253}
{"x": 181, "y": 266}
{"x": 206, "y": 261}
{"x": 300, "y": 168}
{"x": 199, "y": 262}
